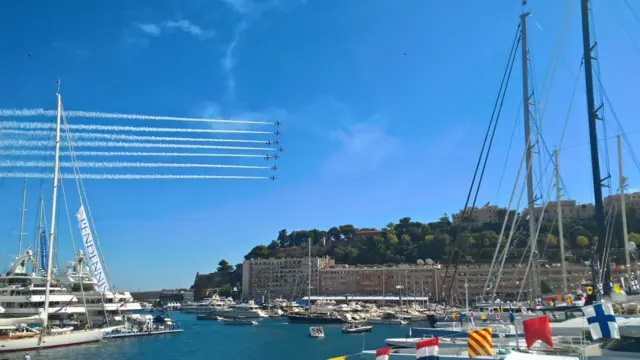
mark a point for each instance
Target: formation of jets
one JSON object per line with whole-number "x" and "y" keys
{"x": 269, "y": 142}
{"x": 277, "y": 132}
{"x": 267, "y": 157}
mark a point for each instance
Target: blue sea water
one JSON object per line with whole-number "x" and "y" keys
{"x": 271, "y": 339}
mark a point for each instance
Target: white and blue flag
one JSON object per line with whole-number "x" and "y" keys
{"x": 602, "y": 321}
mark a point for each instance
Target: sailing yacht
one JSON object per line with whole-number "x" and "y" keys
{"x": 46, "y": 337}
{"x": 100, "y": 307}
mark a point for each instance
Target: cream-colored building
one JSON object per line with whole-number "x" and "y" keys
{"x": 377, "y": 280}
{"x": 479, "y": 216}
{"x": 287, "y": 278}
{"x": 632, "y": 201}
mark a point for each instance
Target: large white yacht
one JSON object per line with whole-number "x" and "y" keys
{"x": 207, "y": 305}
{"x": 247, "y": 310}
{"x": 22, "y": 294}
{"x": 110, "y": 305}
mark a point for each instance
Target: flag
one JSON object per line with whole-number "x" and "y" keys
{"x": 602, "y": 321}
{"x": 537, "y": 328}
{"x": 479, "y": 342}
{"x": 427, "y": 349}
{"x": 383, "y": 353}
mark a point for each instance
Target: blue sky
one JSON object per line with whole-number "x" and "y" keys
{"x": 382, "y": 106}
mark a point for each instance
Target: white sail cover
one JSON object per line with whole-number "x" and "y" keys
{"x": 92, "y": 253}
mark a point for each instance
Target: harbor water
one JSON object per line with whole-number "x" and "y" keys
{"x": 271, "y": 339}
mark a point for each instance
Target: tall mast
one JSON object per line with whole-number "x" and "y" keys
{"x": 40, "y": 213}
{"x": 560, "y": 226}
{"x": 623, "y": 205}
{"x": 593, "y": 140}
{"x": 54, "y": 198}
{"x": 24, "y": 204}
{"x": 309, "y": 298}
{"x": 528, "y": 144}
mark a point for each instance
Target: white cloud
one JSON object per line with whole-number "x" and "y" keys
{"x": 241, "y": 6}
{"x": 362, "y": 147}
{"x": 228, "y": 62}
{"x": 151, "y": 29}
{"x": 182, "y": 25}
{"x": 188, "y": 27}
{"x": 250, "y": 11}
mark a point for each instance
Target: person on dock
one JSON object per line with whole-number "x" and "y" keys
{"x": 26, "y": 356}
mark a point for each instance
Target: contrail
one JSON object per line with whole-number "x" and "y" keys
{"x": 128, "y": 137}
{"x": 40, "y": 143}
{"x": 105, "y": 115}
{"x": 20, "y": 152}
{"x": 40, "y": 125}
{"x": 125, "y": 176}
{"x": 119, "y": 164}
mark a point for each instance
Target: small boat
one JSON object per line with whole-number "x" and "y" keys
{"x": 316, "y": 331}
{"x": 352, "y": 328}
{"x": 239, "y": 321}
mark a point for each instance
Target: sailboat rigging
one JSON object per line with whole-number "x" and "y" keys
{"x": 47, "y": 337}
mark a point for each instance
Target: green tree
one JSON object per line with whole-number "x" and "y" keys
{"x": 550, "y": 239}
{"x": 634, "y": 238}
{"x": 258, "y": 252}
{"x": 273, "y": 245}
{"x": 226, "y": 290}
{"x": 582, "y": 241}
{"x": 224, "y": 267}
{"x": 283, "y": 238}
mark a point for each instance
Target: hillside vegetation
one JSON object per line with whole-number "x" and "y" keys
{"x": 407, "y": 241}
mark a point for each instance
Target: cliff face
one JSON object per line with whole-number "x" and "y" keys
{"x": 216, "y": 280}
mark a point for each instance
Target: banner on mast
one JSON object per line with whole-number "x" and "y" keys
{"x": 44, "y": 251}
{"x": 92, "y": 253}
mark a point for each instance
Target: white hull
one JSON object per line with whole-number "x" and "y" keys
{"x": 55, "y": 311}
{"x": 228, "y": 313}
{"x": 51, "y": 341}
{"x": 387, "y": 321}
{"x": 21, "y": 320}
{"x": 197, "y": 309}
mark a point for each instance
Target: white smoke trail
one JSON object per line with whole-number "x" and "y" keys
{"x": 104, "y": 115}
{"x": 124, "y": 176}
{"x": 20, "y": 152}
{"x": 40, "y": 125}
{"x": 120, "y": 164}
{"x": 128, "y": 137}
{"x": 40, "y": 143}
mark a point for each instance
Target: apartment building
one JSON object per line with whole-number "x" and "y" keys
{"x": 287, "y": 278}
{"x": 378, "y": 280}
{"x": 512, "y": 278}
{"x": 570, "y": 210}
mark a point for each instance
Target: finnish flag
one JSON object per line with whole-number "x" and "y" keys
{"x": 602, "y": 321}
